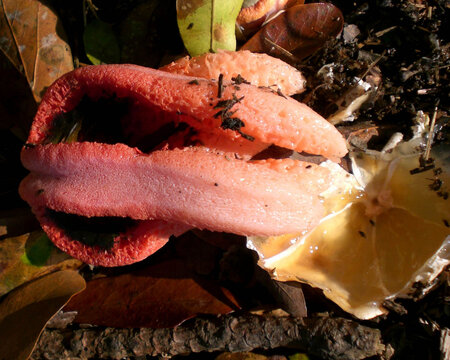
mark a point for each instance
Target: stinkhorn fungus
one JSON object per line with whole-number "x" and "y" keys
{"x": 108, "y": 202}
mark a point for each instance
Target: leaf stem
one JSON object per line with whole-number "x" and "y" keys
{"x": 211, "y": 49}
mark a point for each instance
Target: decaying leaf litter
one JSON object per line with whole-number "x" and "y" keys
{"x": 402, "y": 94}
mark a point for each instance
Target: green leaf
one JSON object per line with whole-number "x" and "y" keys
{"x": 208, "y": 25}
{"x": 100, "y": 43}
{"x": 37, "y": 251}
{"x": 298, "y": 356}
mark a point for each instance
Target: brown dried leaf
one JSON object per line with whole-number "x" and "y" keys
{"x": 16, "y": 222}
{"x": 254, "y": 14}
{"x": 25, "y": 311}
{"x": 298, "y": 32}
{"x": 34, "y": 41}
{"x": 360, "y": 138}
{"x": 26, "y": 257}
{"x": 290, "y": 298}
{"x": 12, "y": 171}
{"x": 17, "y": 105}
{"x": 159, "y": 296}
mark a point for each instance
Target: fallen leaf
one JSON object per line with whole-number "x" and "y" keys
{"x": 34, "y": 41}
{"x": 359, "y": 138}
{"x": 298, "y": 32}
{"x": 137, "y": 36}
{"x": 25, "y": 311}
{"x": 255, "y": 14}
{"x": 16, "y": 222}
{"x": 26, "y": 257}
{"x": 290, "y": 298}
{"x": 100, "y": 43}
{"x": 17, "y": 104}
{"x": 241, "y": 356}
{"x": 298, "y": 356}
{"x": 208, "y": 25}
{"x": 12, "y": 171}
{"x": 287, "y": 296}
{"x": 159, "y": 296}
{"x": 149, "y": 33}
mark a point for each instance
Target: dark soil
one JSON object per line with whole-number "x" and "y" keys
{"x": 405, "y": 45}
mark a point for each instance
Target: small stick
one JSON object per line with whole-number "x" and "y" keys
{"x": 385, "y": 31}
{"x": 430, "y": 136}
{"x": 281, "y": 49}
{"x": 338, "y": 338}
{"x": 373, "y": 64}
{"x": 220, "y": 86}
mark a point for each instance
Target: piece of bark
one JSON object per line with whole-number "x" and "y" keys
{"x": 327, "y": 338}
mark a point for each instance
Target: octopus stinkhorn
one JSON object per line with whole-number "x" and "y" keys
{"x": 105, "y": 200}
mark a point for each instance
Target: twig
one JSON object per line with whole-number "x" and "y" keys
{"x": 385, "y": 31}
{"x": 89, "y": 5}
{"x": 430, "y": 133}
{"x": 281, "y": 49}
{"x": 330, "y": 338}
{"x": 373, "y": 64}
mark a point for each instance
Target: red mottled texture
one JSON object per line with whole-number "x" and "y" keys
{"x": 268, "y": 117}
{"x": 236, "y": 147}
{"x": 258, "y": 69}
{"x": 132, "y": 246}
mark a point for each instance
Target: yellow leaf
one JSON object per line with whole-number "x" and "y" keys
{"x": 208, "y": 25}
{"x": 25, "y": 311}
